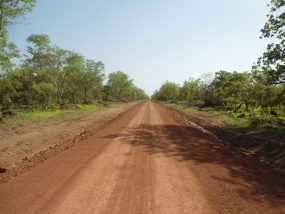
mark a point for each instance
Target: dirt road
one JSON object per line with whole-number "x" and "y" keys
{"x": 147, "y": 161}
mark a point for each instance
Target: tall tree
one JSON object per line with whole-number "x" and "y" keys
{"x": 208, "y": 89}
{"x": 74, "y": 68}
{"x": 169, "y": 91}
{"x": 8, "y": 50}
{"x": 275, "y": 27}
{"x": 92, "y": 76}
{"x": 51, "y": 60}
{"x": 13, "y": 11}
{"x": 190, "y": 90}
{"x": 119, "y": 82}
{"x": 8, "y": 89}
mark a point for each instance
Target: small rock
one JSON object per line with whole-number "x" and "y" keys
{"x": 4, "y": 167}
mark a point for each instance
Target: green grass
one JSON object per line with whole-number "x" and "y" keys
{"x": 38, "y": 114}
{"x": 90, "y": 108}
{"x": 263, "y": 125}
{"x": 24, "y": 118}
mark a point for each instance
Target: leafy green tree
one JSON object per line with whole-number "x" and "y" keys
{"x": 74, "y": 69}
{"x": 107, "y": 93}
{"x": 269, "y": 97}
{"x": 133, "y": 93}
{"x": 28, "y": 76}
{"x": 10, "y": 13}
{"x": 8, "y": 89}
{"x": 155, "y": 95}
{"x": 221, "y": 78}
{"x": 267, "y": 93}
{"x": 169, "y": 91}
{"x": 59, "y": 67}
{"x": 190, "y": 91}
{"x": 238, "y": 89}
{"x": 92, "y": 76}
{"x": 44, "y": 91}
{"x": 12, "y": 10}
{"x": 119, "y": 82}
{"x": 208, "y": 89}
{"x": 8, "y": 50}
{"x": 263, "y": 75}
{"x": 275, "y": 27}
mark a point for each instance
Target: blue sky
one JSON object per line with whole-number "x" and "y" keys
{"x": 153, "y": 40}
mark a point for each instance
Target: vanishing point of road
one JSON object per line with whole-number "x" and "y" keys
{"x": 146, "y": 161}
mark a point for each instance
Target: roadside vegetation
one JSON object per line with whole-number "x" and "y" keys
{"x": 49, "y": 79}
{"x": 253, "y": 100}
{"x": 260, "y": 126}
{"x": 23, "y": 118}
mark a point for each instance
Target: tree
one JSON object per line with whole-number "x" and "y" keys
{"x": 263, "y": 75}
{"x": 8, "y": 50}
{"x": 8, "y": 89}
{"x": 12, "y": 10}
{"x": 155, "y": 95}
{"x": 221, "y": 78}
{"x": 58, "y": 65}
{"x": 119, "y": 82}
{"x": 208, "y": 89}
{"x": 92, "y": 76}
{"x": 134, "y": 93}
{"x": 168, "y": 91}
{"x": 74, "y": 68}
{"x": 238, "y": 89}
{"x": 275, "y": 27}
{"x": 44, "y": 91}
{"x": 190, "y": 90}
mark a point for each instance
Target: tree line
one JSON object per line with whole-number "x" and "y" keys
{"x": 263, "y": 87}
{"x": 231, "y": 90}
{"x": 48, "y": 75}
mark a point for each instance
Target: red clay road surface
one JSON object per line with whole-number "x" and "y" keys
{"x": 146, "y": 161}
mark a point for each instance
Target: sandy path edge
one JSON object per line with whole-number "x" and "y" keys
{"x": 48, "y": 138}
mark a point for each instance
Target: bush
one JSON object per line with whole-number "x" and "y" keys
{"x": 100, "y": 102}
{"x": 106, "y": 104}
{"x": 252, "y": 103}
{"x": 262, "y": 121}
{"x": 53, "y": 106}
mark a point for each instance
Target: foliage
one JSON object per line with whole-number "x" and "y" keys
{"x": 12, "y": 10}
{"x": 234, "y": 94}
{"x": 121, "y": 88}
{"x": 168, "y": 91}
{"x": 190, "y": 90}
{"x": 275, "y": 27}
{"x": 8, "y": 50}
{"x": 10, "y": 13}
{"x": 50, "y": 76}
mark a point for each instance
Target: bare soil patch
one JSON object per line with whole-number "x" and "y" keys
{"x": 21, "y": 148}
{"x": 267, "y": 148}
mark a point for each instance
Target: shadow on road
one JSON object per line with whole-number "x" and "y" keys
{"x": 251, "y": 179}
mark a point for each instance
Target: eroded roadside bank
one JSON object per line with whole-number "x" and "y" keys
{"x": 266, "y": 149}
